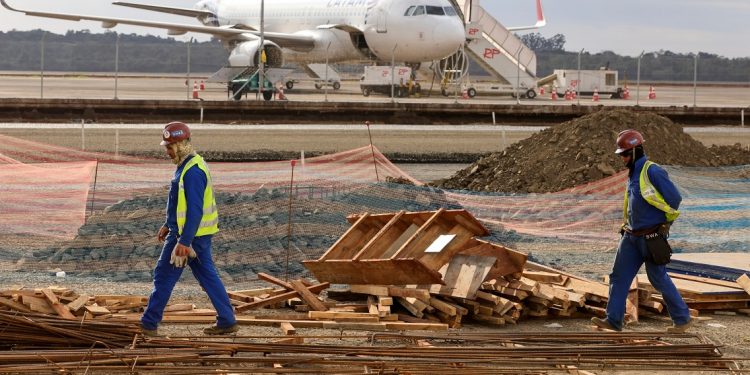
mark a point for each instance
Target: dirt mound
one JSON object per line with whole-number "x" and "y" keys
{"x": 582, "y": 150}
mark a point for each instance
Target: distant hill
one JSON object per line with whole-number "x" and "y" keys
{"x": 86, "y": 52}
{"x": 82, "y": 51}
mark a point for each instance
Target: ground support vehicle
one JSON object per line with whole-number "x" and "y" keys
{"x": 247, "y": 82}
{"x": 386, "y": 80}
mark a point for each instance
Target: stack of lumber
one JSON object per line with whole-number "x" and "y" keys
{"x": 702, "y": 293}
{"x": 67, "y": 304}
{"x": 374, "y": 313}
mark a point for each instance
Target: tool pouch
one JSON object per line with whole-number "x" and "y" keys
{"x": 659, "y": 251}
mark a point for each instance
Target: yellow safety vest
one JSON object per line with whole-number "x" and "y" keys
{"x": 210, "y": 220}
{"x": 651, "y": 195}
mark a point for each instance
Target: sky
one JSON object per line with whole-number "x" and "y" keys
{"x": 626, "y": 27}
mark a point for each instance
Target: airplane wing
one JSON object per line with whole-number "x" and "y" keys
{"x": 178, "y": 11}
{"x": 541, "y": 21}
{"x": 291, "y": 41}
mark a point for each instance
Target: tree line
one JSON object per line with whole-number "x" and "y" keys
{"x": 83, "y": 51}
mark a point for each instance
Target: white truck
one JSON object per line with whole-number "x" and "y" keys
{"x": 603, "y": 80}
{"x": 387, "y": 80}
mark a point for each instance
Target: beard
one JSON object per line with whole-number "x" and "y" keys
{"x": 182, "y": 150}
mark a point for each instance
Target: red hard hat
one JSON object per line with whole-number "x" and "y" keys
{"x": 175, "y": 132}
{"x": 628, "y": 139}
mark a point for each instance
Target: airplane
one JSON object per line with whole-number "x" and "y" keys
{"x": 307, "y": 31}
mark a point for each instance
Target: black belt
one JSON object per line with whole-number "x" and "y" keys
{"x": 642, "y": 232}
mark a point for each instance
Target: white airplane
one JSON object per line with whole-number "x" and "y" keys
{"x": 311, "y": 31}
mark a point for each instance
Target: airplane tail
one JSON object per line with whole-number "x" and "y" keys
{"x": 541, "y": 21}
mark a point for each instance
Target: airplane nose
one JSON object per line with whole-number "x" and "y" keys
{"x": 449, "y": 37}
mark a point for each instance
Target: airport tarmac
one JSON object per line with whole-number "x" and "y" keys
{"x": 173, "y": 87}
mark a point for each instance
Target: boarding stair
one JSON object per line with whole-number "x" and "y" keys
{"x": 497, "y": 50}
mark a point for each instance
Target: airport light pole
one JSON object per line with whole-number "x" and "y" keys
{"x": 117, "y": 61}
{"x": 187, "y": 80}
{"x": 261, "y": 63}
{"x": 638, "y": 80}
{"x": 695, "y": 80}
{"x": 518, "y": 75}
{"x": 393, "y": 74}
{"x": 41, "y": 86}
{"x": 578, "y": 83}
{"x": 325, "y": 85}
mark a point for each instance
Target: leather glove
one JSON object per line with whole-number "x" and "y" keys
{"x": 664, "y": 229}
{"x": 162, "y": 234}
{"x": 180, "y": 255}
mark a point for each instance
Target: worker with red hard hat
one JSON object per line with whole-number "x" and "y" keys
{"x": 650, "y": 207}
{"x": 192, "y": 220}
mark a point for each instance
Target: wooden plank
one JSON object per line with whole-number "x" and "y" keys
{"x": 61, "y": 309}
{"x": 706, "y": 280}
{"x": 179, "y": 307}
{"x": 375, "y": 290}
{"x": 443, "y": 306}
{"x": 463, "y": 275}
{"x": 14, "y": 305}
{"x": 234, "y": 296}
{"x": 350, "y": 237}
{"x": 78, "y": 303}
{"x": 410, "y": 307}
{"x": 273, "y": 280}
{"x": 420, "y": 294}
{"x": 403, "y": 326}
{"x": 307, "y": 296}
{"x": 419, "y": 233}
{"x": 288, "y": 328}
{"x": 336, "y": 315}
{"x": 38, "y": 304}
{"x": 509, "y": 261}
{"x": 381, "y": 240}
{"x": 545, "y": 277}
{"x": 744, "y": 282}
{"x": 374, "y": 271}
{"x": 253, "y": 292}
{"x": 97, "y": 310}
{"x": 280, "y": 297}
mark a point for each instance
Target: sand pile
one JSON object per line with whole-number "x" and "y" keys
{"x": 582, "y": 150}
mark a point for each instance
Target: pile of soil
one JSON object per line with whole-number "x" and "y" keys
{"x": 582, "y": 150}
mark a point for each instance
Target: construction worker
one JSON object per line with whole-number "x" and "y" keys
{"x": 650, "y": 207}
{"x": 192, "y": 219}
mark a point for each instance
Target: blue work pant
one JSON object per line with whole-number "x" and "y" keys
{"x": 166, "y": 276}
{"x": 630, "y": 256}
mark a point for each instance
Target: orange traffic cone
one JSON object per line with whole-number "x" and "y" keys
{"x": 595, "y": 98}
{"x": 553, "y": 93}
{"x": 626, "y": 93}
{"x": 203, "y": 86}
{"x": 280, "y": 93}
{"x": 651, "y": 93}
{"x": 541, "y": 90}
{"x": 195, "y": 90}
{"x": 568, "y": 96}
{"x": 465, "y": 94}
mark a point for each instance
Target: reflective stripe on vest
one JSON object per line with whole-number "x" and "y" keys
{"x": 651, "y": 195}
{"x": 210, "y": 221}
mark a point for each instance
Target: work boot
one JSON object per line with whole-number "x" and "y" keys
{"x": 215, "y": 330}
{"x": 149, "y": 332}
{"x": 603, "y": 324}
{"x": 680, "y": 328}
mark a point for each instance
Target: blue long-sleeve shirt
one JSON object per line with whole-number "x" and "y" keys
{"x": 195, "y": 182}
{"x": 641, "y": 214}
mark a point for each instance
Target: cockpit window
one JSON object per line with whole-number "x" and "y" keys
{"x": 450, "y": 11}
{"x": 419, "y": 11}
{"x": 436, "y": 11}
{"x": 408, "y": 11}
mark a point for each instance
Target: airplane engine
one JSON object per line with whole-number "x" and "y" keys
{"x": 247, "y": 54}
